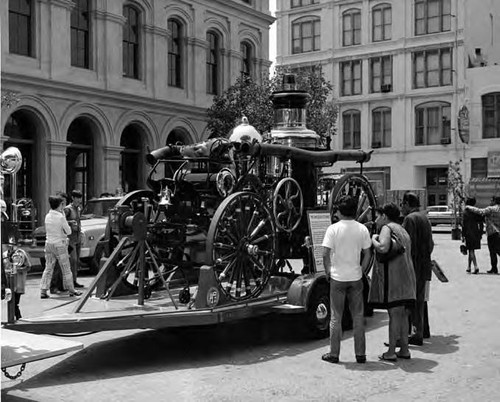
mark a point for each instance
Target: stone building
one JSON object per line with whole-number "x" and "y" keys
{"x": 100, "y": 82}
{"x": 403, "y": 70}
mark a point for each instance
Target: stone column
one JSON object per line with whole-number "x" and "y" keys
{"x": 112, "y": 156}
{"x": 56, "y": 171}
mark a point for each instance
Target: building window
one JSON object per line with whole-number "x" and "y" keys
{"x": 175, "y": 53}
{"x": 432, "y": 16}
{"x": 432, "y": 68}
{"x": 246, "y": 59}
{"x": 478, "y": 168}
{"x": 351, "y": 77}
{"x": 351, "y": 26}
{"x": 381, "y": 74}
{"x": 80, "y": 30}
{"x": 212, "y": 63}
{"x": 381, "y": 127}
{"x": 381, "y": 22}
{"x": 306, "y": 35}
{"x": 21, "y": 27}
{"x": 131, "y": 42}
{"x": 351, "y": 129}
{"x": 432, "y": 123}
{"x": 301, "y": 3}
{"x": 491, "y": 115}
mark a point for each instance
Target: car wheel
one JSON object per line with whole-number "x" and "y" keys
{"x": 318, "y": 312}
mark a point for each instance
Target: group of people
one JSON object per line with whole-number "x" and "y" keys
{"x": 62, "y": 226}
{"x": 473, "y": 221}
{"x": 398, "y": 284}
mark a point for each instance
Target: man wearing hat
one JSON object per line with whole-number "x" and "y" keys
{"x": 419, "y": 228}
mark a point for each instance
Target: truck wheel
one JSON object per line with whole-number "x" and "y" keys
{"x": 318, "y": 313}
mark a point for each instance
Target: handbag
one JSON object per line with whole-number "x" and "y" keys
{"x": 395, "y": 249}
{"x": 463, "y": 249}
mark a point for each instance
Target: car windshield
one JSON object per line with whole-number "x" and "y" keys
{"x": 98, "y": 208}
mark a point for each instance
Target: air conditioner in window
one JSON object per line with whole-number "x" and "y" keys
{"x": 445, "y": 141}
{"x": 376, "y": 144}
{"x": 386, "y": 88}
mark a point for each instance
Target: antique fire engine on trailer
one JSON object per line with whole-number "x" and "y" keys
{"x": 229, "y": 212}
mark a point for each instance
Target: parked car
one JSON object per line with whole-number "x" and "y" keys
{"x": 94, "y": 218}
{"x": 440, "y": 215}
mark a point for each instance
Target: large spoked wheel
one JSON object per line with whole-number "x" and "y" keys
{"x": 241, "y": 244}
{"x": 288, "y": 204}
{"x": 357, "y": 186}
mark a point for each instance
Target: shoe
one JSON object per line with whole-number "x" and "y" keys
{"x": 492, "y": 271}
{"x": 413, "y": 340}
{"x": 78, "y": 285}
{"x": 400, "y": 356}
{"x": 44, "y": 296}
{"x": 328, "y": 357}
{"x": 75, "y": 293}
{"x": 361, "y": 358}
{"x": 467, "y": 270}
{"x": 386, "y": 358}
{"x": 476, "y": 271}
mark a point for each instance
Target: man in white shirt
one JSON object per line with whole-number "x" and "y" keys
{"x": 56, "y": 247}
{"x": 344, "y": 243}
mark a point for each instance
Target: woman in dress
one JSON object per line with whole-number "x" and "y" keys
{"x": 472, "y": 231}
{"x": 393, "y": 283}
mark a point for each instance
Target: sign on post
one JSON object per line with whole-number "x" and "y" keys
{"x": 318, "y": 223}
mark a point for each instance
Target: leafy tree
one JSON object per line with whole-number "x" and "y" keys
{"x": 246, "y": 97}
{"x": 456, "y": 187}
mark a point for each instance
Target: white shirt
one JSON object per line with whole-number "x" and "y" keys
{"x": 346, "y": 239}
{"x": 56, "y": 227}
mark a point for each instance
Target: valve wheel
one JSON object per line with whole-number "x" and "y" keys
{"x": 288, "y": 204}
{"x": 241, "y": 245}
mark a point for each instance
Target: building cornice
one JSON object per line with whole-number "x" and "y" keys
{"x": 155, "y": 30}
{"x": 68, "y": 4}
{"x": 238, "y": 8}
{"x": 108, "y": 97}
{"x": 107, "y": 16}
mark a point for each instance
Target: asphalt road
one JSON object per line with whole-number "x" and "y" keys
{"x": 270, "y": 360}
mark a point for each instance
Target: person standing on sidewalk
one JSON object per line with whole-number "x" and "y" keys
{"x": 56, "y": 248}
{"x": 492, "y": 219}
{"x": 419, "y": 228}
{"x": 342, "y": 246}
{"x": 72, "y": 212}
{"x": 472, "y": 231}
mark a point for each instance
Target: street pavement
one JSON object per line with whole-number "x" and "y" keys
{"x": 268, "y": 359}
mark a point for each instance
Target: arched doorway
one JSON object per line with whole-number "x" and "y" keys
{"x": 179, "y": 136}
{"x": 24, "y": 130}
{"x": 132, "y": 159}
{"x": 80, "y": 158}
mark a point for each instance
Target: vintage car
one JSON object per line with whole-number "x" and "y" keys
{"x": 94, "y": 218}
{"x": 440, "y": 215}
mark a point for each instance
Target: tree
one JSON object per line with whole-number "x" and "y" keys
{"x": 248, "y": 98}
{"x": 456, "y": 187}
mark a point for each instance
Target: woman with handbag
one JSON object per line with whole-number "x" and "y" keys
{"x": 393, "y": 279}
{"x": 472, "y": 231}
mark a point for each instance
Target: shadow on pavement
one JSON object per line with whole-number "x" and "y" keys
{"x": 13, "y": 398}
{"x": 439, "y": 345}
{"x": 415, "y": 365}
{"x": 247, "y": 342}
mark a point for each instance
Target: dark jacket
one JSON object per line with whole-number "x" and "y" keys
{"x": 419, "y": 228}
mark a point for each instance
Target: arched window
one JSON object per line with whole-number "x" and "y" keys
{"x": 246, "y": 58}
{"x": 491, "y": 115}
{"x": 21, "y": 23}
{"x": 381, "y": 127}
{"x": 175, "y": 53}
{"x": 351, "y": 132}
{"x": 213, "y": 51}
{"x": 80, "y": 34}
{"x": 306, "y": 35}
{"x": 131, "y": 46}
{"x": 381, "y": 22}
{"x": 351, "y": 27}
{"x": 433, "y": 123}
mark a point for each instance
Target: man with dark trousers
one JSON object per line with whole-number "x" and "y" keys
{"x": 72, "y": 212}
{"x": 419, "y": 228}
{"x": 492, "y": 219}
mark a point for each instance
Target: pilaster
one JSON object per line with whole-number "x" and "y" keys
{"x": 112, "y": 157}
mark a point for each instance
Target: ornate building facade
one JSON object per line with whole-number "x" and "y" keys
{"x": 403, "y": 70}
{"x": 101, "y": 82}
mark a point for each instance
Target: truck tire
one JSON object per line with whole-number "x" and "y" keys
{"x": 318, "y": 312}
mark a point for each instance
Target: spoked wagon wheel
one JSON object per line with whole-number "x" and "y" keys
{"x": 288, "y": 204}
{"x": 241, "y": 245}
{"x": 357, "y": 186}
